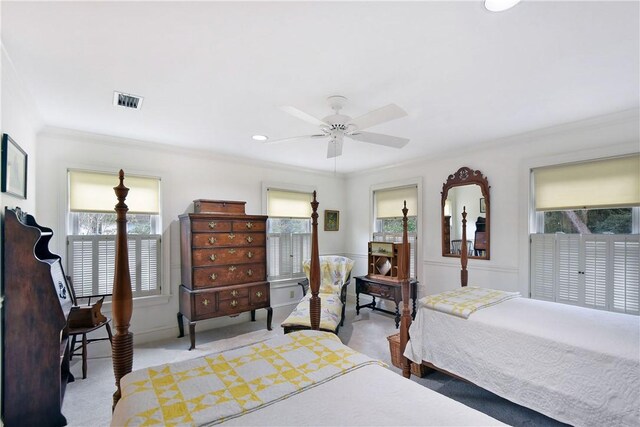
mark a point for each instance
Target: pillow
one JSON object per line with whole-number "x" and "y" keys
{"x": 334, "y": 270}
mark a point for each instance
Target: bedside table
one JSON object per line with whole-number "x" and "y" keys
{"x": 386, "y": 290}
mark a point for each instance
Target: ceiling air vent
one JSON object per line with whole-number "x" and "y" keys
{"x": 127, "y": 100}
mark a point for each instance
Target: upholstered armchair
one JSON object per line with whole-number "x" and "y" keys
{"x": 335, "y": 275}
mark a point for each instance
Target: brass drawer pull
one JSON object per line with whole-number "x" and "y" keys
{"x": 232, "y": 236}
{"x": 213, "y": 276}
{"x": 259, "y": 294}
{"x": 232, "y": 251}
{"x": 205, "y": 302}
{"x": 249, "y": 239}
{"x": 232, "y": 268}
{"x": 234, "y": 293}
{"x": 249, "y": 225}
{"x": 212, "y": 240}
{"x": 234, "y": 303}
{"x": 249, "y": 272}
{"x": 213, "y": 224}
{"x": 249, "y": 254}
{"x": 212, "y": 257}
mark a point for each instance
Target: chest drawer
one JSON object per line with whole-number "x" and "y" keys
{"x": 205, "y": 303}
{"x": 203, "y": 240}
{"x": 213, "y": 225}
{"x": 233, "y": 305}
{"x": 259, "y": 294}
{"x": 222, "y": 256}
{"x": 205, "y": 277}
{"x": 233, "y": 293}
{"x": 240, "y": 226}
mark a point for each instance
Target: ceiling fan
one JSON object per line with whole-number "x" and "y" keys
{"x": 336, "y": 126}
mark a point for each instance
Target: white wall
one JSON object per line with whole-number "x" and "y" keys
{"x": 506, "y": 164}
{"x": 21, "y": 121}
{"x": 186, "y": 176}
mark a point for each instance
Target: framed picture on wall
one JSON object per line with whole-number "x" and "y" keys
{"x": 483, "y": 206}
{"x": 331, "y": 220}
{"x": 14, "y": 168}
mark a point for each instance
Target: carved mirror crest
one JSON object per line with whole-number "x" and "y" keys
{"x": 469, "y": 189}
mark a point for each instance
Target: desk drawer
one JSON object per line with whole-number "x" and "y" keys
{"x": 378, "y": 290}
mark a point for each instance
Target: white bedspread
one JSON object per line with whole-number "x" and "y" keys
{"x": 576, "y": 365}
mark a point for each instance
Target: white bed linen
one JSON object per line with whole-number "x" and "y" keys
{"x": 576, "y": 365}
{"x": 369, "y": 396}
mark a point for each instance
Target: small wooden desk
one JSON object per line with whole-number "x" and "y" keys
{"x": 385, "y": 290}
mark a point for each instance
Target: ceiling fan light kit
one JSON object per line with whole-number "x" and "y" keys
{"x": 337, "y": 126}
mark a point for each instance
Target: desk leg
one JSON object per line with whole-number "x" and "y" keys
{"x": 253, "y": 315}
{"x": 397, "y": 314}
{"x": 413, "y": 315}
{"x": 357, "y": 304}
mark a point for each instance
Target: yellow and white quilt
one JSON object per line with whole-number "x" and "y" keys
{"x": 215, "y": 388}
{"x": 464, "y": 301}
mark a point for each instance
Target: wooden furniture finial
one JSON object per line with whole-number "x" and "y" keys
{"x": 122, "y": 301}
{"x": 314, "y": 273}
{"x": 404, "y": 278}
{"x": 464, "y": 254}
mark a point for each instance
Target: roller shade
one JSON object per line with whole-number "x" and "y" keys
{"x": 93, "y": 192}
{"x": 288, "y": 204}
{"x": 389, "y": 203}
{"x": 608, "y": 183}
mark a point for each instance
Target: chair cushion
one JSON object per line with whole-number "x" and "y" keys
{"x": 330, "y": 312}
{"x": 334, "y": 270}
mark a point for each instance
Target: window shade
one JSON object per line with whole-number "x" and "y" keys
{"x": 93, "y": 192}
{"x": 606, "y": 183}
{"x": 389, "y": 203}
{"x": 288, "y": 204}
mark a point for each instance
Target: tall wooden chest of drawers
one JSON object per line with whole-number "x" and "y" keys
{"x": 223, "y": 263}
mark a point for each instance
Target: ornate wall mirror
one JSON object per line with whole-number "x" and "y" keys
{"x": 469, "y": 189}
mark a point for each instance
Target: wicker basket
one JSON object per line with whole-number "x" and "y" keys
{"x": 396, "y": 360}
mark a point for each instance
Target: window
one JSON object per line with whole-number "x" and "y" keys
{"x": 585, "y": 249}
{"x": 388, "y": 205}
{"x": 288, "y": 233}
{"x": 92, "y": 225}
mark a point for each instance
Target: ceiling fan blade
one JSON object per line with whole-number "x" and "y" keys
{"x": 381, "y": 115}
{"x": 303, "y": 116}
{"x": 380, "y": 139}
{"x": 334, "y": 148}
{"x": 294, "y": 138}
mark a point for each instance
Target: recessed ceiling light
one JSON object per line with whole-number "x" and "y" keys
{"x": 260, "y": 137}
{"x": 499, "y": 5}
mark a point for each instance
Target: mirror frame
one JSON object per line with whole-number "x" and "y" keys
{"x": 467, "y": 176}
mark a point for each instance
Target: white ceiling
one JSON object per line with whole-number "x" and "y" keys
{"x": 213, "y": 74}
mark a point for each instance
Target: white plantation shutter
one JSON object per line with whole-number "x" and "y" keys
{"x": 543, "y": 266}
{"x": 597, "y": 271}
{"x": 568, "y": 269}
{"x": 301, "y": 251}
{"x": 626, "y": 275}
{"x": 92, "y": 266}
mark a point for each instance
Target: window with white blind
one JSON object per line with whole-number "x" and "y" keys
{"x": 288, "y": 233}
{"x": 585, "y": 247}
{"x": 388, "y": 204}
{"x": 92, "y": 225}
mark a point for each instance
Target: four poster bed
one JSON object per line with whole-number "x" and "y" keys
{"x": 301, "y": 378}
{"x": 577, "y": 365}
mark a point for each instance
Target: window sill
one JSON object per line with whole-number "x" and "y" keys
{"x": 140, "y": 302}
